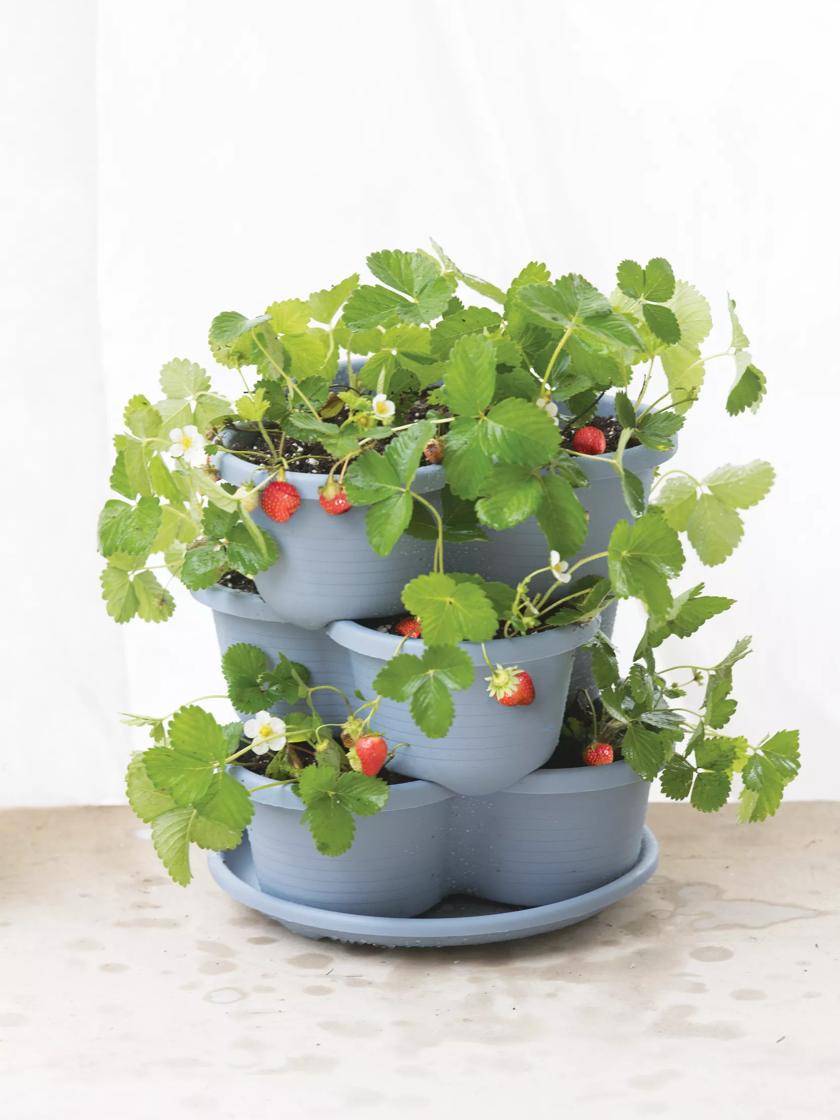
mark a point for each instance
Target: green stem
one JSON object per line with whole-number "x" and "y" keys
{"x": 438, "y": 556}
{"x": 555, "y": 355}
{"x": 272, "y": 785}
{"x": 290, "y": 381}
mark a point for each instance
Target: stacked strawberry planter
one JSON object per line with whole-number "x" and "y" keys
{"x": 480, "y": 815}
{"x": 413, "y": 528}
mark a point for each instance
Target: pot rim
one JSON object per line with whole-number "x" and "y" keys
{"x": 521, "y": 650}
{"x": 236, "y": 470}
{"x": 577, "y": 779}
{"x": 240, "y": 604}
{"x": 404, "y": 795}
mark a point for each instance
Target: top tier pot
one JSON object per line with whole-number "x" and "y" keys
{"x": 512, "y": 554}
{"x": 327, "y": 570}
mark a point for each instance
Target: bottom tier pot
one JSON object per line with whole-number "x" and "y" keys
{"x": 553, "y": 835}
{"x": 397, "y": 866}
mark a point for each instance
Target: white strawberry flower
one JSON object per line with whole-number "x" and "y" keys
{"x": 266, "y": 732}
{"x": 383, "y": 409}
{"x": 559, "y": 568}
{"x": 549, "y": 408}
{"x": 187, "y": 444}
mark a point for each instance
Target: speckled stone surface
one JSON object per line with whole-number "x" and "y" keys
{"x": 715, "y": 989}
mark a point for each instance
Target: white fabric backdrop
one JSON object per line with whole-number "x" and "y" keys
{"x": 166, "y": 160}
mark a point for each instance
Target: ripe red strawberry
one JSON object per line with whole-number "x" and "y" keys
{"x": 598, "y": 754}
{"x": 333, "y": 499}
{"x": 433, "y": 451}
{"x": 512, "y": 687}
{"x": 280, "y": 500}
{"x": 409, "y": 627}
{"x": 589, "y": 441}
{"x": 372, "y": 751}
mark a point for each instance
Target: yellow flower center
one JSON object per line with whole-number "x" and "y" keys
{"x": 186, "y": 442}
{"x": 266, "y": 731}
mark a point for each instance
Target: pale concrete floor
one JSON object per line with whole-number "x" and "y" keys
{"x": 714, "y": 990}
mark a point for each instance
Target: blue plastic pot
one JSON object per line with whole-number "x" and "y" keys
{"x": 240, "y": 616}
{"x": 554, "y": 835}
{"x": 327, "y": 569}
{"x": 510, "y": 555}
{"x": 396, "y": 866}
{"x": 489, "y": 746}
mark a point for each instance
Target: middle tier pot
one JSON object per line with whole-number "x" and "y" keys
{"x": 327, "y": 569}
{"x": 489, "y": 746}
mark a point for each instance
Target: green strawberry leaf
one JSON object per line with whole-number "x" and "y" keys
{"x": 325, "y": 304}
{"x": 204, "y": 564}
{"x": 141, "y": 418}
{"x": 662, "y": 321}
{"x": 748, "y": 389}
{"x": 466, "y": 462}
{"x": 426, "y": 681}
{"x": 469, "y": 321}
{"x": 470, "y": 377}
{"x": 677, "y": 500}
{"x": 183, "y": 775}
{"x": 387, "y": 520}
{"x": 714, "y": 530}
{"x": 331, "y": 824}
{"x": 741, "y": 487}
{"x": 226, "y": 805}
{"x": 450, "y": 612}
{"x": 717, "y": 703}
{"x": 710, "y": 791}
{"x": 689, "y": 612}
{"x": 143, "y": 796}
{"x": 561, "y": 516}
{"x": 154, "y": 602}
{"x": 195, "y": 731}
{"x": 642, "y": 558}
{"x": 171, "y": 840}
{"x": 644, "y": 750}
{"x": 516, "y": 431}
{"x": 676, "y": 778}
{"x": 513, "y": 494}
{"x": 659, "y": 280}
{"x": 181, "y": 379}
{"x": 129, "y": 529}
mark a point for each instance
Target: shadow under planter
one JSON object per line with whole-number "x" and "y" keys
{"x": 489, "y": 746}
{"x": 327, "y": 569}
{"x": 241, "y": 616}
{"x": 555, "y": 835}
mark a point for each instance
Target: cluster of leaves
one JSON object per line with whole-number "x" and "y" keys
{"x": 181, "y": 786}
{"x": 175, "y": 510}
{"x": 483, "y": 370}
{"x": 693, "y": 759}
{"x": 707, "y": 510}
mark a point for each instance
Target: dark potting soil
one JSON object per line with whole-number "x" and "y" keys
{"x": 258, "y": 764}
{"x": 237, "y": 582}
{"x": 608, "y": 425}
{"x": 303, "y": 457}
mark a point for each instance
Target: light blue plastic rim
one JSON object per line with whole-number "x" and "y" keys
{"x": 435, "y": 932}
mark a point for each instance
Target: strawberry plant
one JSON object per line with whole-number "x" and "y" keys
{"x": 504, "y": 398}
{"x": 375, "y": 388}
{"x": 181, "y": 787}
{"x": 645, "y": 713}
